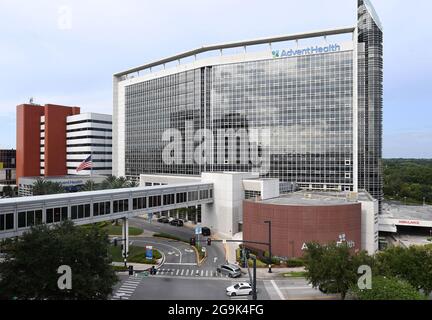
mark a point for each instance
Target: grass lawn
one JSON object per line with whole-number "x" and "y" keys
{"x": 295, "y": 274}
{"x": 136, "y": 254}
{"x": 117, "y": 230}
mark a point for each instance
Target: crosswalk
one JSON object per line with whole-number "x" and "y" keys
{"x": 189, "y": 272}
{"x": 127, "y": 288}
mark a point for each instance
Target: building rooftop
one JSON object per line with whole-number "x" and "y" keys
{"x": 245, "y": 43}
{"x": 51, "y": 178}
{"x": 410, "y": 212}
{"x": 317, "y": 198}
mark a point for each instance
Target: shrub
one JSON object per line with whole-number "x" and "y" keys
{"x": 295, "y": 262}
{"x": 388, "y": 289}
{"x": 169, "y": 236}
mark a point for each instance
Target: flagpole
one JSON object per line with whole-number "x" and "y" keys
{"x": 91, "y": 168}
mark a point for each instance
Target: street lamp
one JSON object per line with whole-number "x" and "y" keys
{"x": 269, "y": 242}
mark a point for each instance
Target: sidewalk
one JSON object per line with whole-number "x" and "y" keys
{"x": 136, "y": 266}
{"x": 262, "y": 273}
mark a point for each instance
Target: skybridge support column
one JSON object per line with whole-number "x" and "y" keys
{"x": 125, "y": 237}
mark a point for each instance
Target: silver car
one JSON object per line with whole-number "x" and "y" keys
{"x": 231, "y": 270}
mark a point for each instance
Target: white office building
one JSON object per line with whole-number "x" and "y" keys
{"x": 89, "y": 134}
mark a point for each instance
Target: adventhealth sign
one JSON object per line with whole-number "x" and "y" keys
{"x": 305, "y": 51}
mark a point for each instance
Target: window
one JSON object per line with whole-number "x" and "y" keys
{"x": 121, "y": 205}
{"x": 101, "y": 208}
{"x": 29, "y": 218}
{"x": 80, "y": 211}
{"x": 168, "y": 199}
{"x": 181, "y": 197}
{"x": 154, "y": 201}
{"x": 139, "y": 203}
{"x": 193, "y": 195}
{"x": 203, "y": 194}
{"x": 56, "y": 214}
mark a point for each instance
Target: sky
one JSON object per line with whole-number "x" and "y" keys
{"x": 65, "y": 52}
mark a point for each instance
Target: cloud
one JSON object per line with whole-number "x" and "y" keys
{"x": 408, "y": 144}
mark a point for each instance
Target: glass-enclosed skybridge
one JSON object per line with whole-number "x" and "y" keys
{"x": 17, "y": 215}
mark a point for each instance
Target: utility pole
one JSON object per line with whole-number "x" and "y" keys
{"x": 254, "y": 291}
{"x": 269, "y": 245}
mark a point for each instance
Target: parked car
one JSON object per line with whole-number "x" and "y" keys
{"x": 163, "y": 220}
{"x": 231, "y": 270}
{"x": 176, "y": 222}
{"x": 239, "y": 289}
{"x": 205, "y": 231}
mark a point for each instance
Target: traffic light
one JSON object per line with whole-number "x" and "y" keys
{"x": 192, "y": 241}
{"x": 209, "y": 241}
{"x": 115, "y": 242}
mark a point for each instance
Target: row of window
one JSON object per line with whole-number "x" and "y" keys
{"x": 34, "y": 217}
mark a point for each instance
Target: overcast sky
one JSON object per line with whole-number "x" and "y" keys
{"x": 65, "y": 52}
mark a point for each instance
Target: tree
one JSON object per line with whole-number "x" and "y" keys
{"x": 90, "y": 185}
{"x": 113, "y": 182}
{"x": 30, "y": 267}
{"x": 41, "y": 187}
{"x": 8, "y": 191}
{"x": 333, "y": 266}
{"x": 387, "y": 289}
{"x": 414, "y": 264}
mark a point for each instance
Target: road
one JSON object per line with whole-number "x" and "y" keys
{"x": 175, "y": 288}
{"x": 215, "y": 252}
{"x": 180, "y": 278}
{"x": 202, "y": 288}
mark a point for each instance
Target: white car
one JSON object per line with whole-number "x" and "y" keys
{"x": 239, "y": 289}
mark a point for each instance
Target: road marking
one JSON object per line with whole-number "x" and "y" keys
{"x": 128, "y": 286}
{"x": 206, "y": 273}
{"x": 126, "y": 293}
{"x": 180, "y": 264}
{"x": 239, "y": 298}
{"x": 182, "y": 272}
{"x": 126, "y": 289}
{"x": 178, "y": 270}
{"x": 215, "y": 259}
{"x": 163, "y": 244}
{"x": 202, "y": 272}
{"x": 277, "y": 290}
{"x": 172, "y": 271}
{"x": 187, "y": 272}
{"x": 296, "y": 288}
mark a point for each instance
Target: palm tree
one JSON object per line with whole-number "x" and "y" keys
{"x": 113, "y": 182}
{"x": 89, "y": 186}
{"x": 42, "y": 186}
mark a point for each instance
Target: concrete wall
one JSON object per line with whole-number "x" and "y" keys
{"x": 226, "y": 211}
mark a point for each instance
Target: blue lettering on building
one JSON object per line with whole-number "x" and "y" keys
{"x": 306, "y": 51}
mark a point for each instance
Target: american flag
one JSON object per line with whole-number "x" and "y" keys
{"x": 87, "y": 163}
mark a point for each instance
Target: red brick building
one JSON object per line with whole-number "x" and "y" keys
{"x": 298, "y": 221}
{"x": 30, "y": 128}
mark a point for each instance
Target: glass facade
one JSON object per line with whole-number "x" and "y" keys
{"x": 370, "y": 103}
{"x": 303, "y": 104}
{"x": 296, "y": 114}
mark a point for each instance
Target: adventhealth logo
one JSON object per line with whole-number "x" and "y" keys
{"x": 301, "y": 52}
